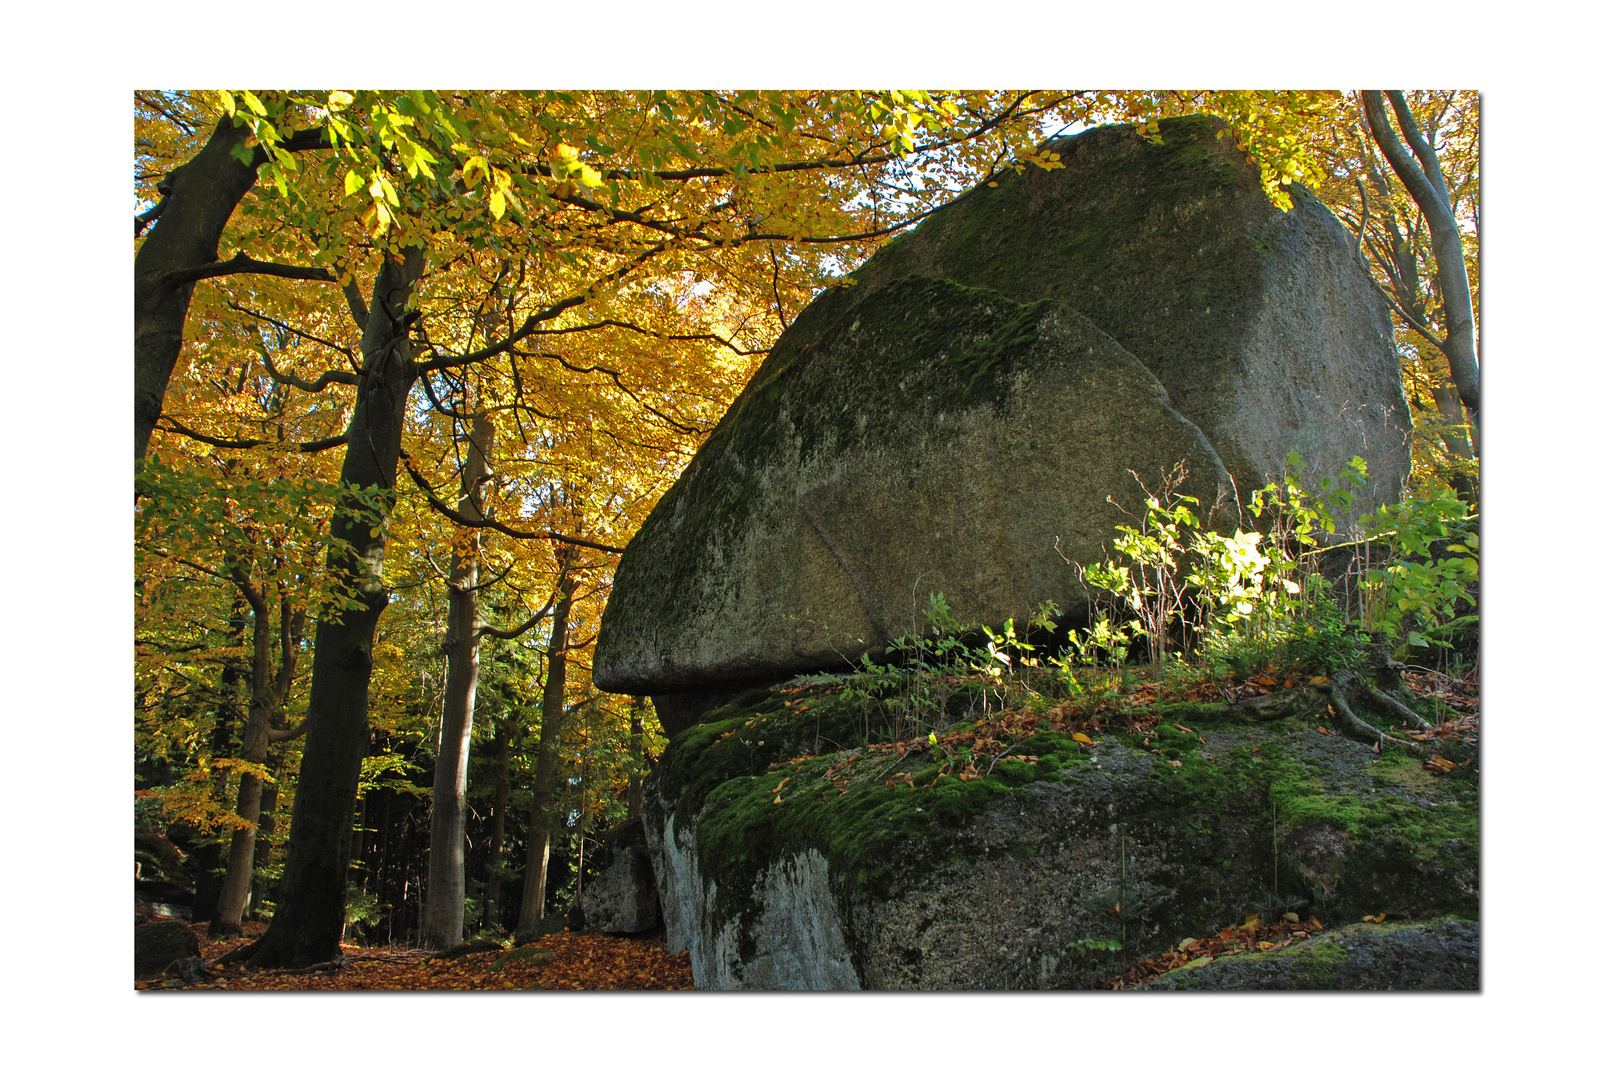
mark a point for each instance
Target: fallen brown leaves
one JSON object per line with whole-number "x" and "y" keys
{"x": 564, "y": 961}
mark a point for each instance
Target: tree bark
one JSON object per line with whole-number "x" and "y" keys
{"x": 554, "y": 701}
{"x": 1425, "y": 181}
{"x": 443, "y": 921}
{"x": 310, "y": 911}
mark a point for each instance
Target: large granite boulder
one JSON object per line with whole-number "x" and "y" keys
{"x": 958, "y": 417}
{"x": 785, "y": 862}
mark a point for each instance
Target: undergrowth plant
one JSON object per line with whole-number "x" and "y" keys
{"x": 1253, "y": 599}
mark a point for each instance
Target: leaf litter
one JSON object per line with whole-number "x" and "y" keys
{"x": 563, "y": 961}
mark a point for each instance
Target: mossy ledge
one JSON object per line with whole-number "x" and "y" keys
{"x": 977, "y": 884}
{"x": 1430, "y": 954}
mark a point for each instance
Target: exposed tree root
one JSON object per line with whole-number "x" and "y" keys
{"x": 1345, "y": 713}
{"x": 240, "y": 953}
{"x": 1394, "y": 705}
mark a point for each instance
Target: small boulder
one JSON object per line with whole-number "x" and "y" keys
{"x": 161, "y": 942}
{"x": 619, "y": 896}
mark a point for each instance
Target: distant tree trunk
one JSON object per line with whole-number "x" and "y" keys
{"x": 582, "y": 826}
{"x": 635, "y": 777}
{"x": 443, "y": 921}
{"x": 269, "y": 690}
{"x": 265, "y": 842}
{"x": 209, "y": 877}
{"x": 501, "y": 797}
{"x": 554, "y": 700}
{"x": 385, "y": 844}
{"x": 310, "y": 911}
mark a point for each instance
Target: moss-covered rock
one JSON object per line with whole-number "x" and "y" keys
{"x": 958, "y": 419}
{"x": 788, "y": 856}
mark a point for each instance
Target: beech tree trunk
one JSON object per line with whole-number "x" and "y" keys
{"x": 554, "y": 701}
{"x": 442, "y": 923}
{"x": 199, "y": 197}
{"x": 310, "y": 911}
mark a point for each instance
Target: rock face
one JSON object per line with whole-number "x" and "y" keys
{"x": 619, "y": 896}
{"x": 786, "y": 864}
{"x": 1441, "y": 955}
{"x": 958, "y": 419}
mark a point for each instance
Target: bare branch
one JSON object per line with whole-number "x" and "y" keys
{"x": 313, "y": 446}
{"x": 470, "y": 523}
{"x": 242, "y": 264}
{"x": 506, "y": 635}
{"x": 535, "y": 321}
{"x": 347, "y": 378}
{"x": 277, "y": 735}
{"x": 719, "y": 339}
{"x": 616, "y": 378}
{"x": 288, "y": 328}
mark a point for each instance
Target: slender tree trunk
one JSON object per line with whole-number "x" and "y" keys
{"x": 209, "y": 878}
{"x": 583, "y": 818}
{"x": 554, "y": 700}
{"x": 269, "y": 689}
{"x": 200, "y": 197}
{"x": 635, "y": 742}
{"x": 443, "y": 921}
{"x": 310, "y": 912}
{"x": 501, "y": 798}
{"x": 380, "y": 862}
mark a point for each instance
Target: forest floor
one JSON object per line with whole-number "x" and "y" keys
{"x": 564, "y": 961}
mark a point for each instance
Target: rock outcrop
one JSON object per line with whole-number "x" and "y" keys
{"x": 957, "y": 420}
{"x": 786, "y": 863}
